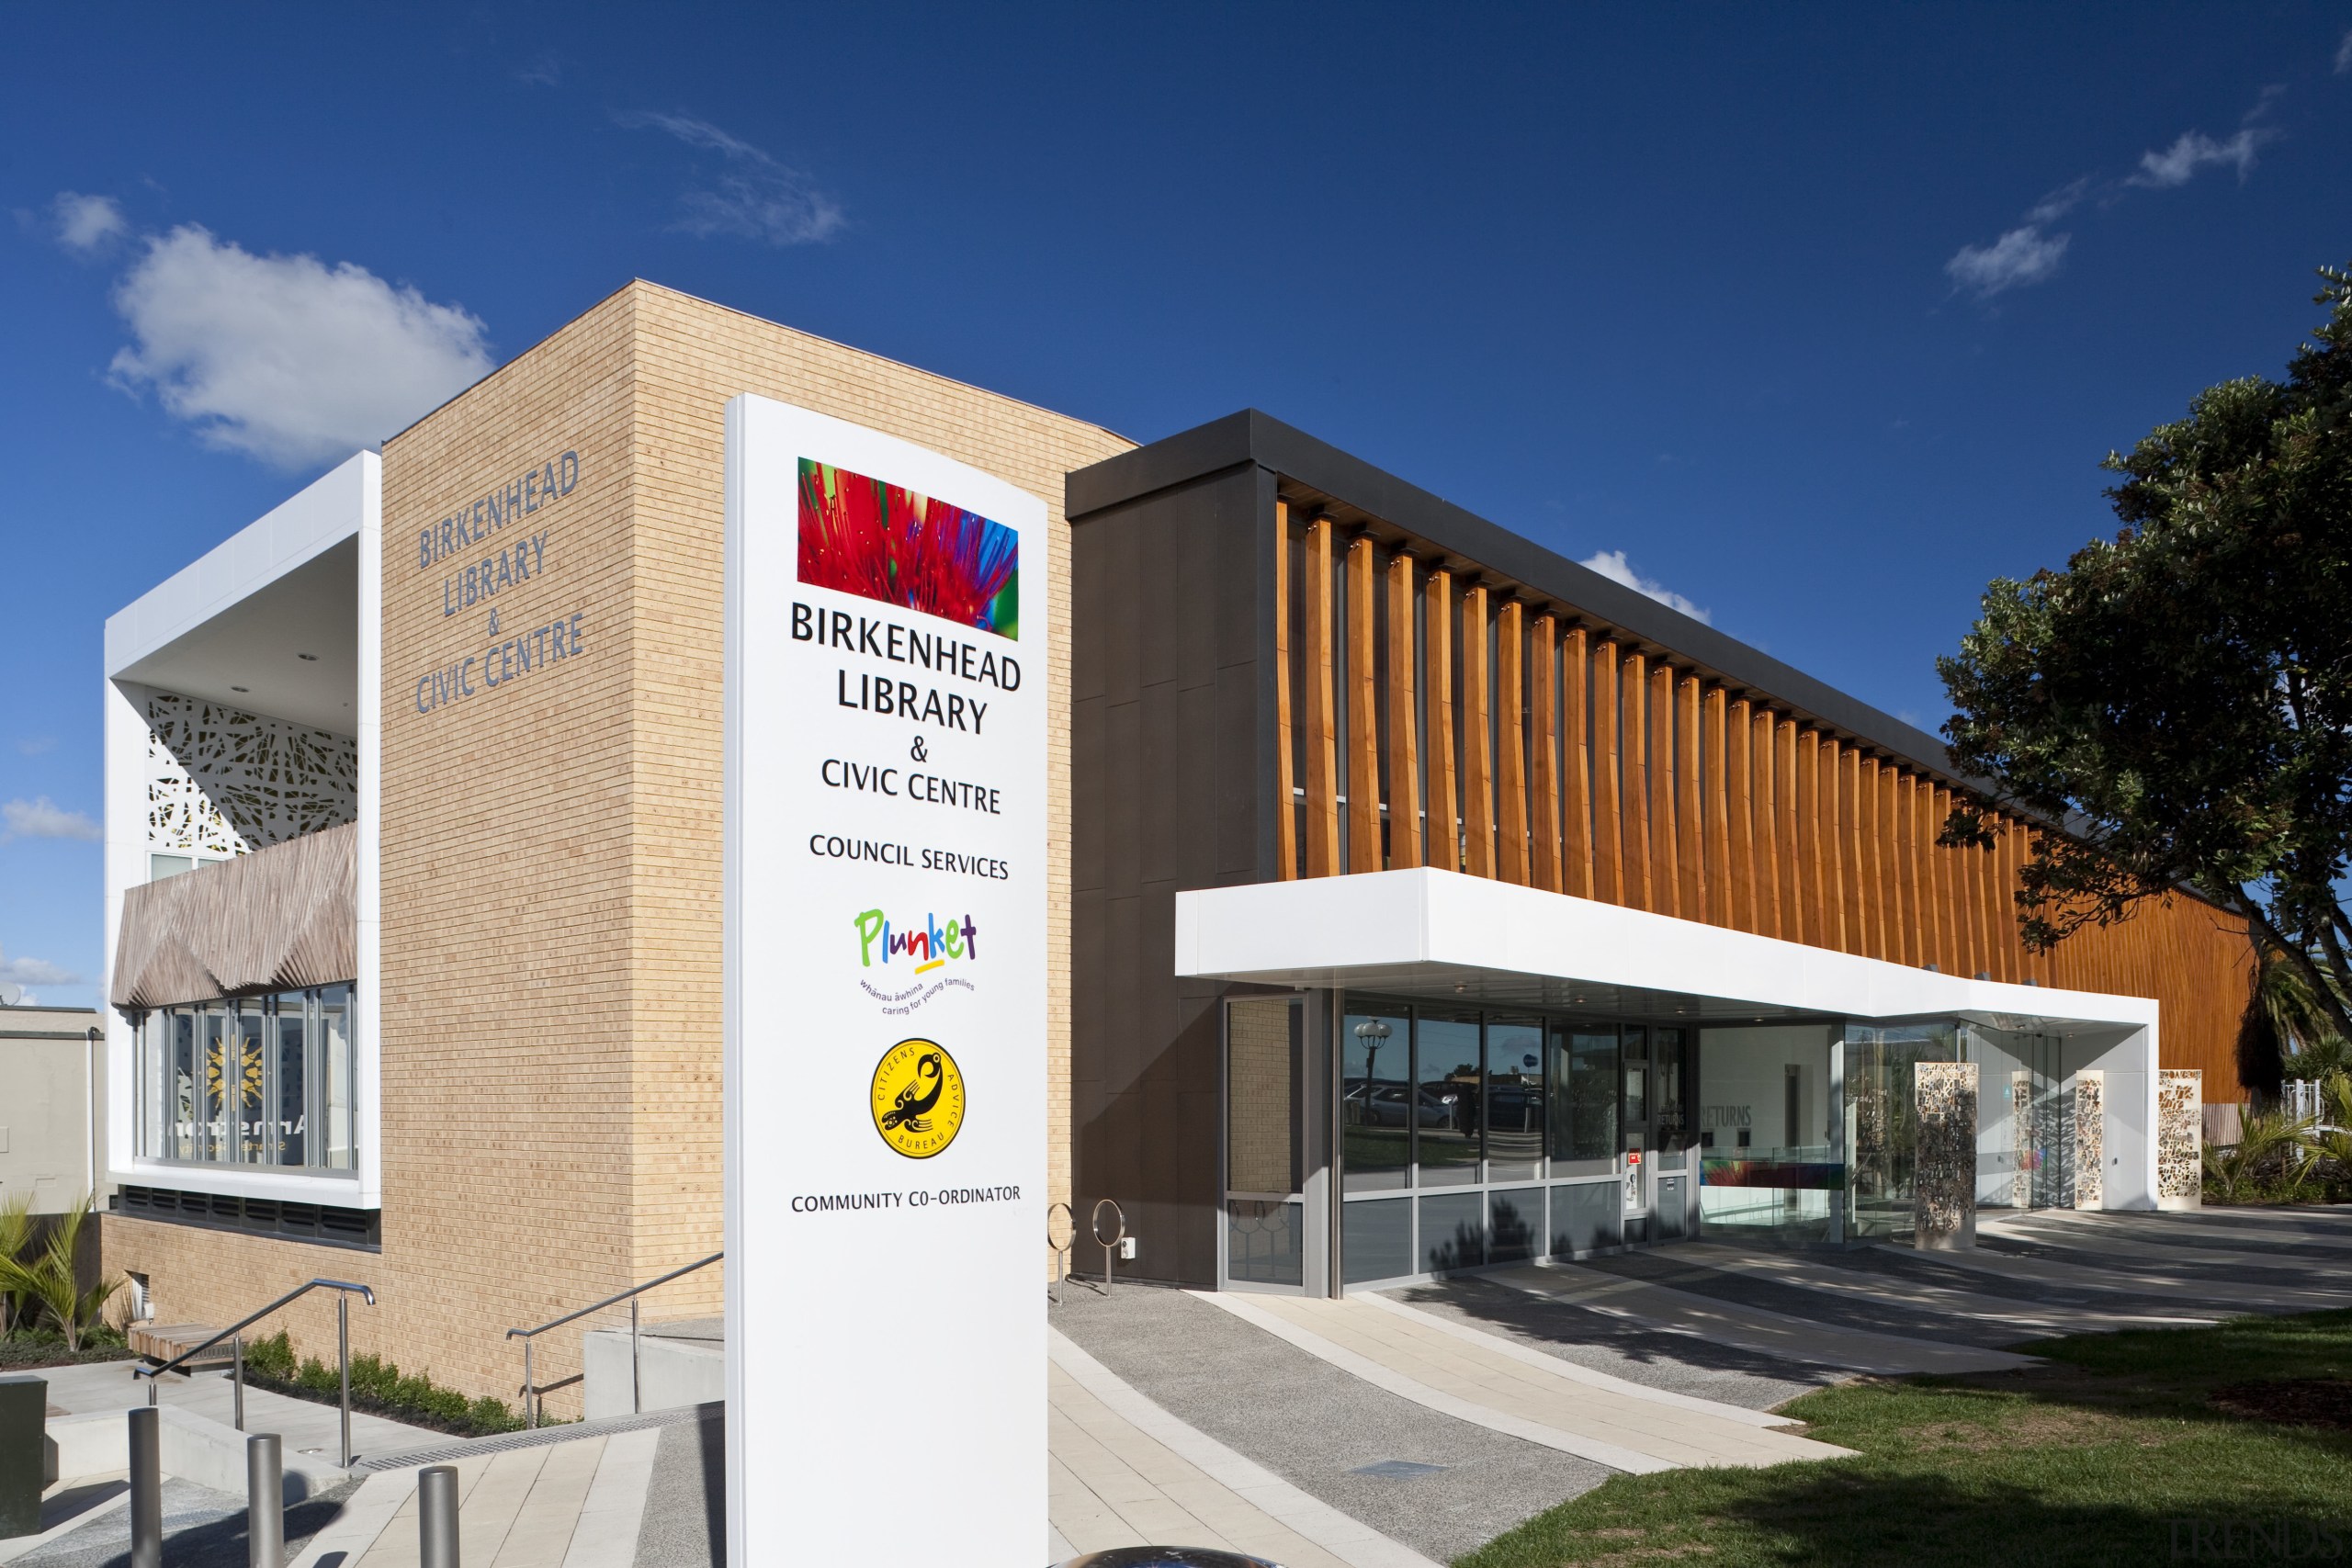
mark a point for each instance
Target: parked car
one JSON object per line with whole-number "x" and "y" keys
{"x": 1383, "y": 1105}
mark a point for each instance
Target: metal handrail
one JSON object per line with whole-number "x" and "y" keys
{"x": 531, "y": 1390}
{"x": 235, "y": 1332}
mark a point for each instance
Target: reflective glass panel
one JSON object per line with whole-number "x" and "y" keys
{"x": 247, "y": 1099}
{"x": 1669, "y": 1116}
{"x": 1514, "y": 1099}
{"x": 1454, "y": 1231}
{"x": 184, "y": 1108}
{"x": 288, "y": 1107}
{"x": 1262, "y": 1241}
{"x": 335, "y": 1044}
{"x": 1515, "y": 1231}
{"x": 1376, "y": 1239}
{"x": 218, "y": 1079}
{"x": 1445, "y": 1110}
{"x": 1584, "y": 1092}
{"x": 1882, "y": 1122}
{"x": 1584, "y": 1216}
{"x": 1376, "y": 1108}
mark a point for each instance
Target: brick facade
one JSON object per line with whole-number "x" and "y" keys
{"x": 551, "y": 1029}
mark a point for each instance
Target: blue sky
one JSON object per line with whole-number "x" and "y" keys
{"x": 1817, "y": 319}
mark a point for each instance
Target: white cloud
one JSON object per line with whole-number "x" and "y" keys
{"x": 2022, "y": 257}
{"x": 43, "y": 818}
{"x": 2178, "y": 163}
{"x": 2344, "y": 55}
{"x": 1612, "y": 565}
{"x": 37, "y": 745}
{"x": 2059, "y": 202}
{"x": 36, "y": 972}
{"x": 544, "y": 71}
{"x": 285, "y": 358}
{"x": 753, "y": 196}
{"x": 85, "y": 223}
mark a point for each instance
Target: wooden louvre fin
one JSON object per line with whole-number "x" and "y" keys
{"x": 284, "y": 917}
{"x": 1906, "y": 865}
{"x": 1364, "y": 713}
{"x": 1808, "y": 839}
{"x": 1322, "y": 738}
{"x": 1689, "y": 821}
{"x": 1949, "y": 946}
{"x": 1543, "y": 741}
{"x": 1849, "y": 845}
{"x": 1478, "y": 737}
{"x": 1738, "y": 756}
{"x": 1576, "y": 827}
{"x": 1285, "y": 783}
{"x": 1833, "y": 846}
{"x": 1787, "y": 768}
{"x": 1608, "y": 778}
{"x": 1403, "y": 744}
{"x": 1511, "y": 746}
{"x": 1634, "y": 686}
{"x": 1866, "y": 855}
{"x": 1442, "y": 845}
{"x": 1889, "y": 852}
{"x": 1666, "y": 863}
{"x": 1715, "y": 744}
{"x": 1764, "y": 800}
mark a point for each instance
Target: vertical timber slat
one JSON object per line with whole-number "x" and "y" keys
{"x": 1363, "y": 714}
{"x": 1322, "y": 742}
{"x": 1478, "y": 737}
{"x": 1511, "y": 762}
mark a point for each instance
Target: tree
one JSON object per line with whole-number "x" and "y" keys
{"x": 2180, "y": 698}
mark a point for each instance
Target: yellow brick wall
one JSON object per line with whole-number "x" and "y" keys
{"x": 551, "y": 1036}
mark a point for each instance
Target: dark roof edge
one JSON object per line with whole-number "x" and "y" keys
{"x": 1254, "y": 437}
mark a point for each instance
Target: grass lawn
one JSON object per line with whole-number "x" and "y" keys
{"x": 2117, "y": 1452}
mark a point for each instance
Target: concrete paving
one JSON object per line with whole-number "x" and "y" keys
{"x": 563, "y": 1504}
{"x": 1817, "y": 1340}
{"x": 1490, "y": 1382}
{"x": 1426, "y": 1480}
{"x": 305, "y": 1427}
{"x": 1125, "y": 1472}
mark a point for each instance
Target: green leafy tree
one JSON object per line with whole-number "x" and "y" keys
{"x": 2181, "y": 695}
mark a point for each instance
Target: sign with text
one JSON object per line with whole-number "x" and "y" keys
{"x": 885, "y": 996}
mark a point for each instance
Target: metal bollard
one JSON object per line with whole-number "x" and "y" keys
{"x": 436, "y": 1517}
{"x": 146, "y": 1487}
{"x": 264, "y": 1501}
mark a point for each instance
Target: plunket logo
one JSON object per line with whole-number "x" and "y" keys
{"x": 926, "y": 946}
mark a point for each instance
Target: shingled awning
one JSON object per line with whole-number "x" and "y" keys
{"x": 280, "y": 918}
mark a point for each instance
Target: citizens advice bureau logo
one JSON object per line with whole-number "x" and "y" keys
{"x": 917, "y": 1097}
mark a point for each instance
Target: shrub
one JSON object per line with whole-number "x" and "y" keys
{"x": 377, "y": 1385}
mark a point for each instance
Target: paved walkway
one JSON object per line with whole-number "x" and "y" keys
{"x": 1490, "y": 1382}
{"x": 565, "y": 1505}
{"x": 1784, "y": 1336}
{"x": 1126, "y": 1473}
{"x": 306, "y": 1428}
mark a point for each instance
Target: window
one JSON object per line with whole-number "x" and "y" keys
{"x": 263, "y": 1080}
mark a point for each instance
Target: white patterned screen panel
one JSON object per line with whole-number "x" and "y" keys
{"x": 223, "y": 782}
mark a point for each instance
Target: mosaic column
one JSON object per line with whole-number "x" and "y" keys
{"x": 2181, "y": 1137}
{"x": 1943, "y": 1184}
{"x": 2090, "y": 1139}
{"x": 2023, "y": 1149}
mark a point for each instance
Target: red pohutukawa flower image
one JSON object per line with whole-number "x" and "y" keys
{"x": 885, "y": 543}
